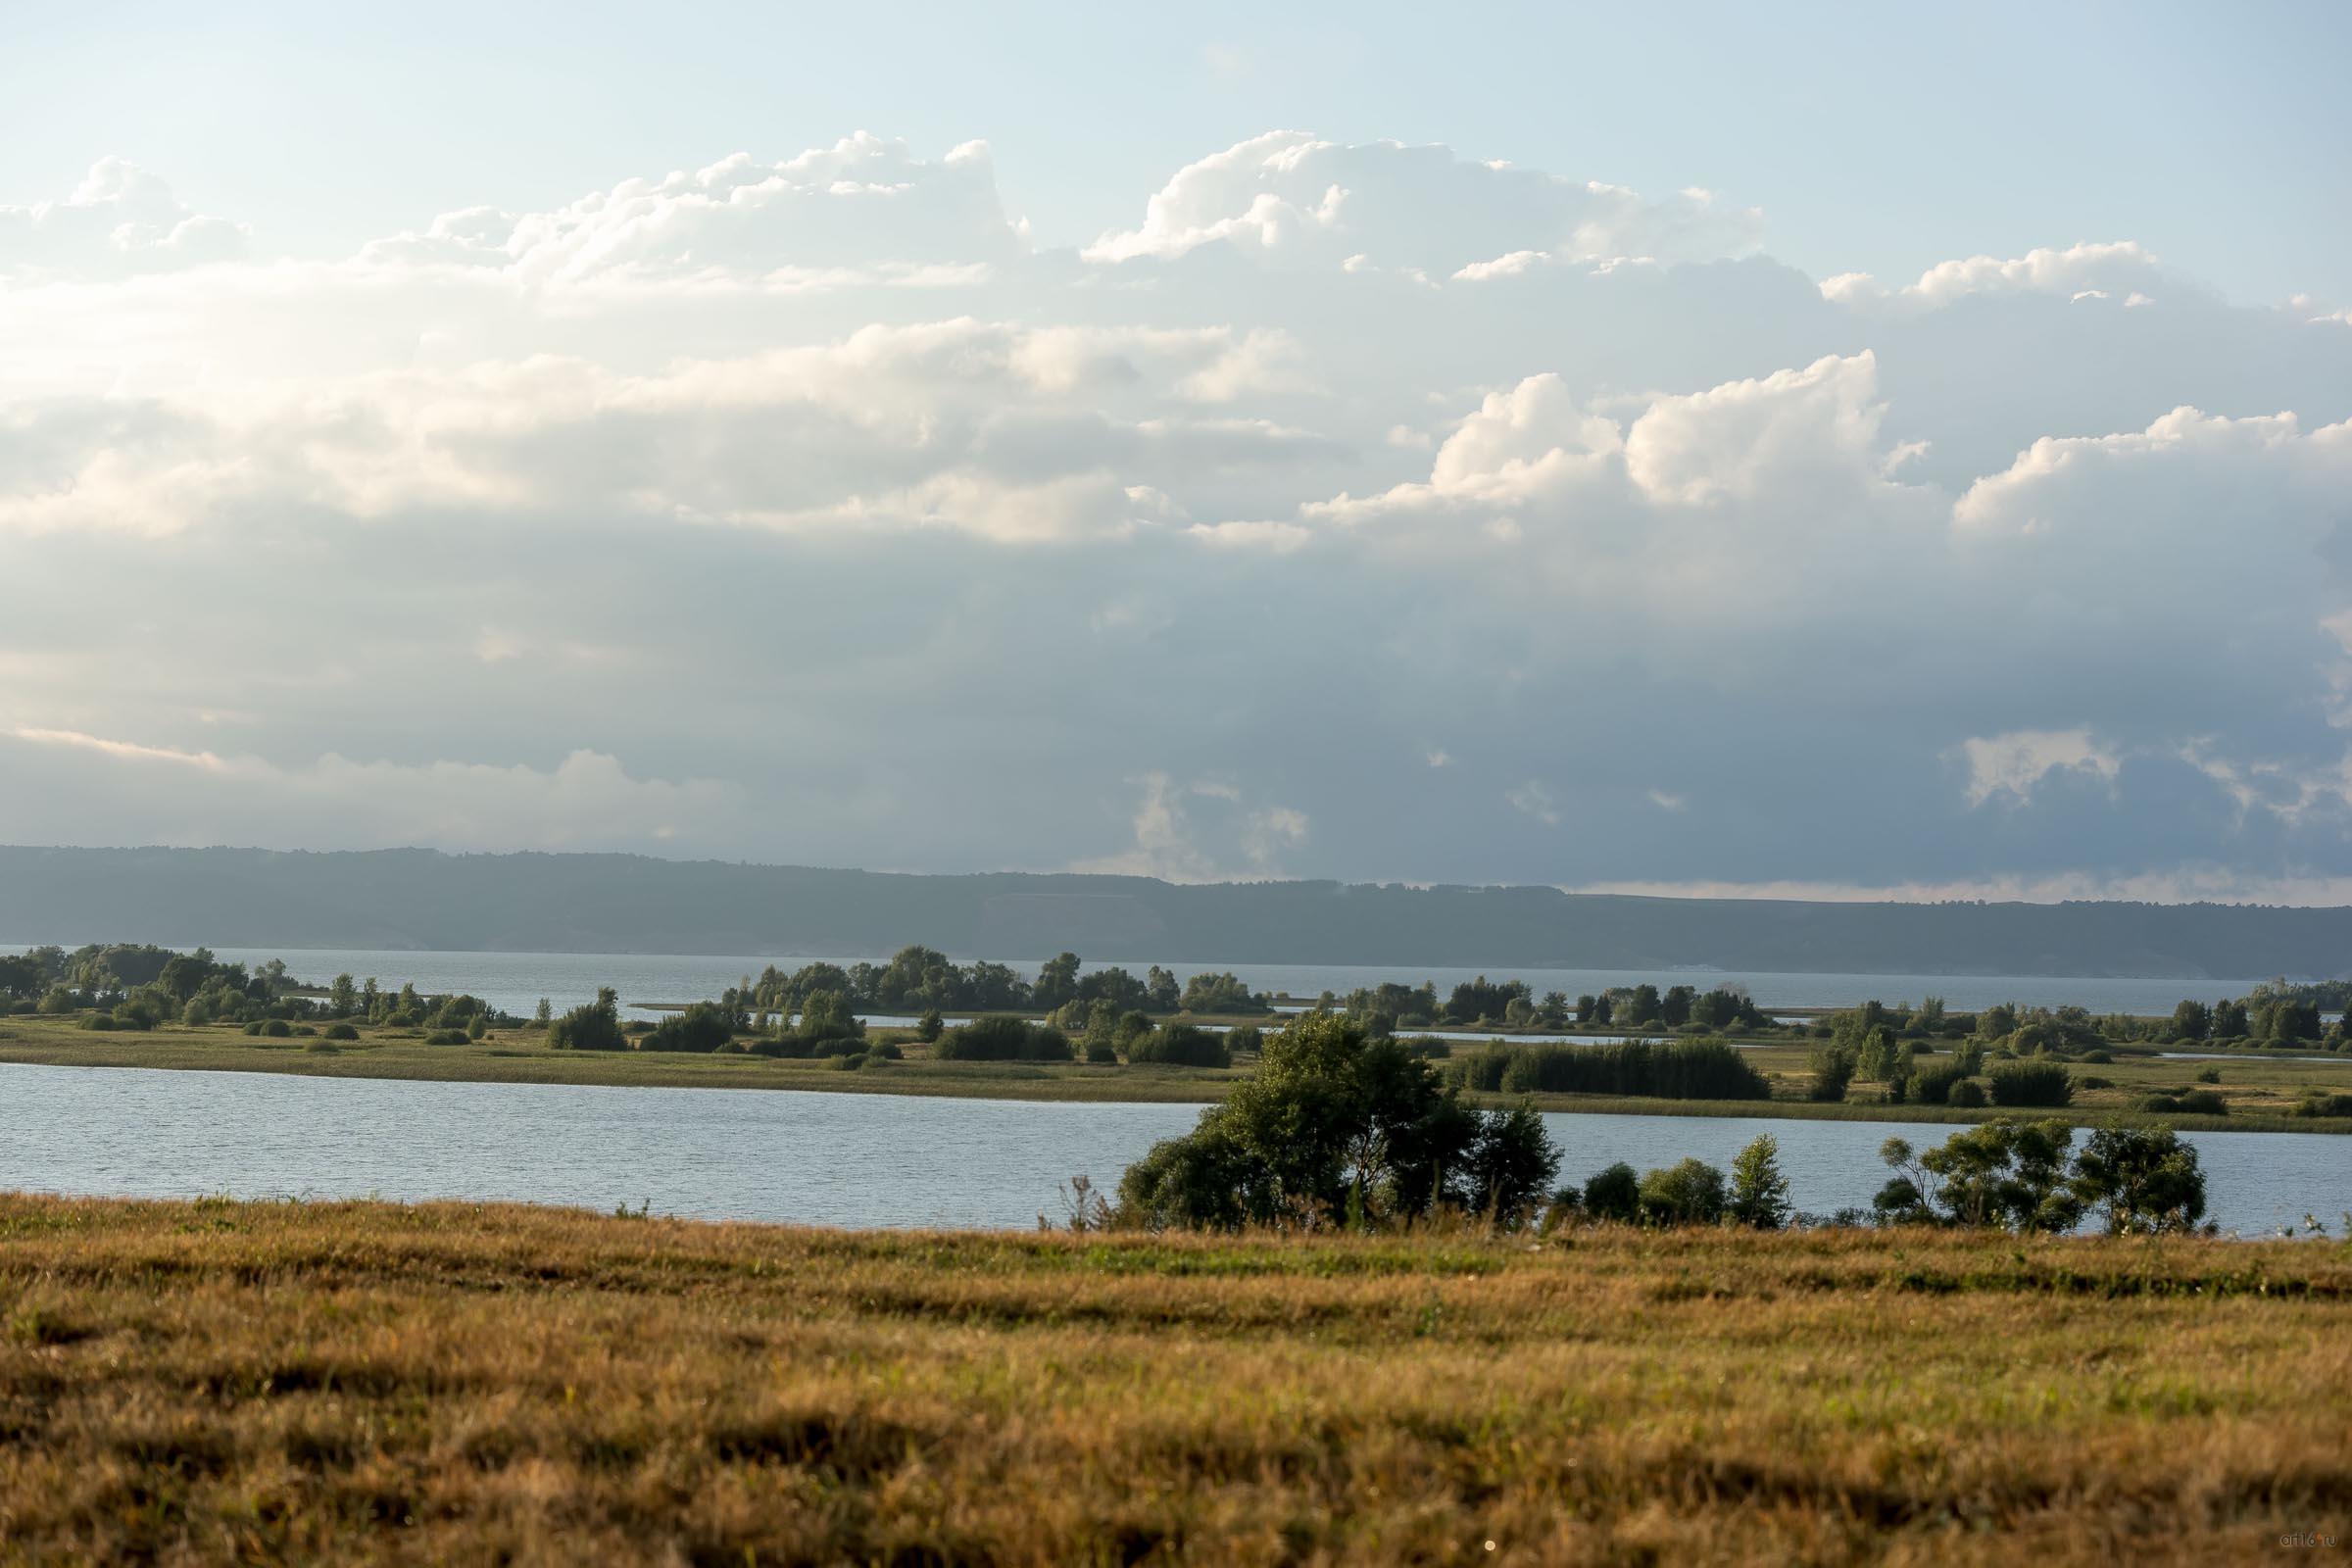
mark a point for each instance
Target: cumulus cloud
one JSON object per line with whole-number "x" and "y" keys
{"x": 2119, "y": 270}
{"x": 121, "y": 220}
{"x": 2012, "y": 765}
{"x": 1288, "y": 198}
{"x": 1201, "y": 832}
{"x": 1011, "y": 432}
{"x": 726, "y": 505}
{"x": 863, "y": 210}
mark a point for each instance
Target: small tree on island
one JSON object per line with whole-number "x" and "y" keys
{"x": 593, "y": 1026}
{"x": 1759, "y": 1191}
{"x": 2143, "y": 1179}
{"x": 2004, "y": 1172}
{"x": 1332, "y": 1125}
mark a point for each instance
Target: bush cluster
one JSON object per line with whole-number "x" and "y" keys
{"x": 1676, "y": 1070}
{"x": 2017, "y": 1084}
{"x": 1002, "y": 1037}
{"x": 1181, "y": 1045}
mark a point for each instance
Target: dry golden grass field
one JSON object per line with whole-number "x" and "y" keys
{"x": 216, "y": 1381}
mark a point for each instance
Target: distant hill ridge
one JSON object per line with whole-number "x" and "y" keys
{"x": 634, "y": 904}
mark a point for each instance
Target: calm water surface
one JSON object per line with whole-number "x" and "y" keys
{"x": 825, "y": 1158}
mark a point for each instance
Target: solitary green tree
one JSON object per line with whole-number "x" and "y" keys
{"x": 2141, "y": 1180}
{"x": 2003, "y": 1173}
{"x": 1336, "y": 1124}
{"x": 595, "y": 1026}
{"x": 1759, "y": 1191}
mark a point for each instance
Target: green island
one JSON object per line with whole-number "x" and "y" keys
{"x": 1105, "y": 1035}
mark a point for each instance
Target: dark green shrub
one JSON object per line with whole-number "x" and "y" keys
{"x": 254, "y": 1028}
{"x": 826, "y": 1015}
{"x": 885, "y": 1050}
{"x": 2317, "y": 1104}
{"x": 704, "y": 1027}
{"x": 1614, "y": 1193}
{"x": 2186, "y": 1102}
{"x": 1691, "y": 1193}
{"x": 593, "y": 1026}
{"x": 341, "y": 1031}
{"x": 1001, "y": 1037}
{"x": 2032, "y": 1083}
{"x": 1101, "y": 1053}
{"x": 1933, "y": 1086}
{"x": 930, "y": 1026}
{"x": 446, "y": 1037}
{"x": 277, "y": 1028}
{"x": 786, "y": 1044}
{"x": 1833, "y": 1069}
{"x": 1182, "y": 1045}
{"x": 1966, "y": 1095}
{"x": 1679, "y": 1069}
{"x": 1246, "y": 1037}
{"x": 98, "y": 1022}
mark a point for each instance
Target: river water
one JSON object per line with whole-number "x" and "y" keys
{"x": 828, "y": 1159}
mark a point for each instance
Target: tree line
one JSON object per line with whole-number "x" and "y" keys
{"x": 134, "y": 987}
{"x": 916, "y": 979}
{"x": 1343, "y": 1127}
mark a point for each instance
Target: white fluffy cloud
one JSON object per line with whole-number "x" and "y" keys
{"x": 1432, "y": 519}
{"x": 119, "y": 219}
{"x": 865, "y": 208}
{"x": 2012, "y": 765}
{"x": 1005, "y": 431}
{"x": 1288, "y": 198}
{"x": 2121, "y": 270}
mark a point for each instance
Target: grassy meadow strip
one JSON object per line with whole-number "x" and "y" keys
{"x": 217, "y": 1382}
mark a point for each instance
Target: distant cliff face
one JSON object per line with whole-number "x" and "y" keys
{"x": 629, "y": 903}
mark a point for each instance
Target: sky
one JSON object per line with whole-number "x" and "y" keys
{"x": 1688, "y": 449}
